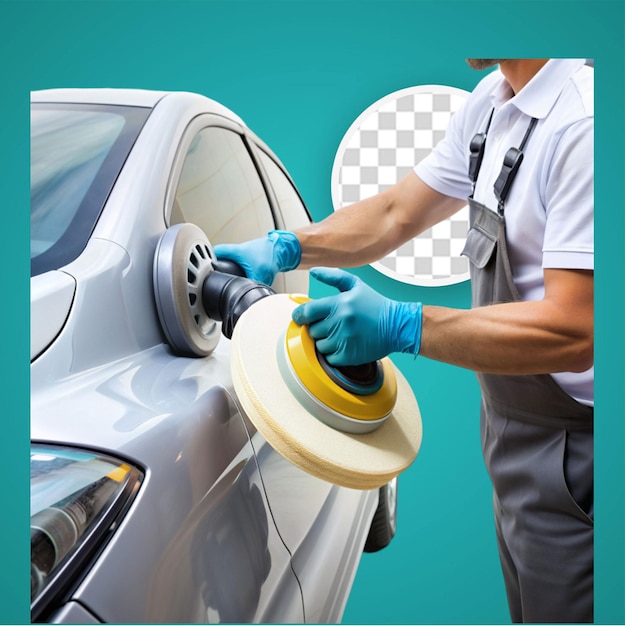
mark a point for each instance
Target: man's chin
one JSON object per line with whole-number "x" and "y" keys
{"x": 482, "y": 64}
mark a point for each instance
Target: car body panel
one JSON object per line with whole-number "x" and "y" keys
{"x": 323, "y": 528}
{"x": 51, "y": 299}
{"x": 73, "y": 613}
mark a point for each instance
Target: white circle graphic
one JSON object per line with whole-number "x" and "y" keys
{"x": 382, "y": 145}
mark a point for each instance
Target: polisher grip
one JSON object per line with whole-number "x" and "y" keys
{"x": 226, "y": 298}
{"x": 227, "y": 266}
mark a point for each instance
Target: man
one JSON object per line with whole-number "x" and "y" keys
{"x": 521, "y": 151}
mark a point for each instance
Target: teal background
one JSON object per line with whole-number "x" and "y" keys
{"x": 299, "y": 73}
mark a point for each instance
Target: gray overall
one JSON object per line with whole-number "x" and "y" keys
{"x": 537, "y": 443}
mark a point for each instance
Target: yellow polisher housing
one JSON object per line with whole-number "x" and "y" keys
{"x": 302, "y": 356}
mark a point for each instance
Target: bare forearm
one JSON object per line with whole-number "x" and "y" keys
{"x": 355, "y": 235}
{"x": 368, "y": 230}
{"x": 515, "y": 338}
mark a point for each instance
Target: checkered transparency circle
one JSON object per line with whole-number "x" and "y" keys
{"x": 383, "y": 145}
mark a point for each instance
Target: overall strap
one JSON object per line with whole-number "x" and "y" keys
{"x": 476, "y": 152}
{"x": 511, "y": 163}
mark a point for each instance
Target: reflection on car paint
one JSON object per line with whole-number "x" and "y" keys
{"x": 216, "y": 534}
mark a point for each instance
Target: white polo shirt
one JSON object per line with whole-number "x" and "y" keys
{"x": 549, "y": 211}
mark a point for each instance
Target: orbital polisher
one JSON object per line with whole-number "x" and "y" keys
{"x": 357, "y": 427}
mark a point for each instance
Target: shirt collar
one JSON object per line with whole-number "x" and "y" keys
{"x": 541, "y": 93}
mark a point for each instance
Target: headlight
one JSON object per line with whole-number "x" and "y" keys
{"x": 76, "y": 500}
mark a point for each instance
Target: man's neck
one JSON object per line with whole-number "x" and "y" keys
{"x": 519, "y": 72}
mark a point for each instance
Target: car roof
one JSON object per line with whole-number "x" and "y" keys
{"x": 133, "y": 97}
{"x": 128, "y": 97}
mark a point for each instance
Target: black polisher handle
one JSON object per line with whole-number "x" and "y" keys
{"x": 225, "y": 298}
{"x": 228, "y": 267}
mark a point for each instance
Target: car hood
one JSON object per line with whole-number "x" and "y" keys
{"x": 51, "y": 297}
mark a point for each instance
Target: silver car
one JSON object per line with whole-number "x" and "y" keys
{"x": 153, "y": 497}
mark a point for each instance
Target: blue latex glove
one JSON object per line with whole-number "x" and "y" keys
{"x": 263, "y": 258}
{"x": 358, "y": 325}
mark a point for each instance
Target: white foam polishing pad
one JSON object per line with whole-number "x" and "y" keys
{"x": 358, "y": 461}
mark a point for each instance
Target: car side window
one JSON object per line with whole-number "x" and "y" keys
{"x": 220, "y": 190}
{"x": 294, "y": 212}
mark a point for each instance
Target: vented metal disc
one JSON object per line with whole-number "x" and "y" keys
{"x": 182, "y": 261}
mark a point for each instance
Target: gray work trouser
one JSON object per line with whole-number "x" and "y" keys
{"x": 543, "y": 503}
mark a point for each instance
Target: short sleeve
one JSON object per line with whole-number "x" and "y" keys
{"x": 569, "y": 200}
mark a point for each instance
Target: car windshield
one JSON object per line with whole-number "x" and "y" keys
{"x": 77, "y": 152}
